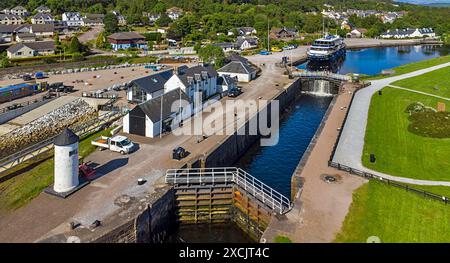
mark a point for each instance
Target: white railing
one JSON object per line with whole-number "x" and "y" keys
{"x": 252, "y": 186}
{"x": 321, "y": 74}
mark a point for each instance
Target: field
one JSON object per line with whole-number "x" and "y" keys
{"x": 23, "y": 187}
{"x": 394, "y": 215}
{"x": 435, "y": 82}
{"x": 413, "y": 67}
{"x": 399, "y": 152}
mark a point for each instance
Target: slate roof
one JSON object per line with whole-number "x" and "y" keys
{"x": 226, "y": 80}
{"x": 66, "y": 137}
{"x": 235, "y": 57}
{"x": 37, "y": 46}
{"x": 408, "y": 31}
{"x": 42, "y": 8}
{"x": 251, "y": 40}
{"x": 224, "y": 45}
{"x": 152, "y": 108}
{"x": 7, "y": 28}
{"x": 197, "y": 73}
{"x": 126, "y": 36}
{"x": 9, "y": 16}
{"x": 40, "y": 28}
{"x": 153, "y": 82}
{"x": 236, "y": 67}
{"x": 43, "y": 16}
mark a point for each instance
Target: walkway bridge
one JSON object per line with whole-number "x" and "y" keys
{"x": 221, "y": 178}
{"x": 323, "y": 75}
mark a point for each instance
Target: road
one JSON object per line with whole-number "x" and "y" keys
{"x": 350, "y": 147}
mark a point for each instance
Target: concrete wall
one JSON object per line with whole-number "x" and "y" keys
{"x": 9, "y": 115}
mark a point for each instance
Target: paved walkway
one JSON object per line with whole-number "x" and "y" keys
{"x": 420, "y": 92}
{"x": 350, "y": 147}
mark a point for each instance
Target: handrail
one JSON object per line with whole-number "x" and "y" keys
{"x": 259, "y": 190}
{"x": 80, "y": 130}
{"x": 321, "y": 74}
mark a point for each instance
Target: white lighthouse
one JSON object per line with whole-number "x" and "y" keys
{"x": 66, "y": 161}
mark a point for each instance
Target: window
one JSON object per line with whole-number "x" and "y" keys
{"x": 73, "y": 152}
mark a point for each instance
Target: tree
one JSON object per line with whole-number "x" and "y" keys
{"x": 4, "y": 61}
{"x": 163, "y": 21}
{"x": 57, "y": 41}
{"x": 111, "y": 23}
{"x": 75, "y": 45}
{"x": 212, "y": 54}
{"x": 100, "y": 42}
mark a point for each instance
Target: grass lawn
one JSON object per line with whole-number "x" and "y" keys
{"x": 435, "y": 82}
{"x": 282, "y": 239}
{"x": 22, "y": 188}
{"x": 394, "y": 215}
{"x": 413, "y": 67}
{"x": 398, "y": 151}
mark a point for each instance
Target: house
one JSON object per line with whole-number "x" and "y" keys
{"x": 43, "y": 30}
{"x": 244, "y": 72}
{"x": 158, "y": 115}
{"x": 93, "y": 19}
{"x": 25, "y": 37}
{"x": 10, "y": 19}
{"x": 201, "y": 78}
{"x": 243, "y": 31}
{"x": 126, "y": 40}
{"x": 19, "y": 11}
{"x": 43, "y": 9}
{"x": 72, "y": 19}
{"x": 345, "y": 25}
{"x": 42, "y": 18}
{"x": 6, "y": 33}
{"x": 226, "y": 46}
{"x": 246, "y": 42}
{"x": 174, "y": 12}
{"x": 226, "y": 83}
{"x": 283, "y": 33}
{"x": 31, "y": 49}
{"x": 357, "y": 33}
{"x": 152, "y": 17}
{"x": 120, "y": 18}
{"x": 388, "y": 18}
{"x": 409, "y": 33}
{"x": 148, "y": 87}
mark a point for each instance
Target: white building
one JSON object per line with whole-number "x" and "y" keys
{"x": 195, "y": 79}
{"x": 246, "y": 42}
{"x": 146, "y": 88}
{"x": 238, "y": 69}
{"x": 19, "y": 11}
{"x": 72, "y": 19}
{"x": 226, "y": 83}
{"x": 158, "y": 115}
{"x": 409, "y": 33}
{"x": 66, "y": 162}
{"x": 10, "y": 19}
{"x": 174, "y": 13}
{"x": 243, "y": 31}
{"x": 42, "y": 18}
{"x": 43, "y": 9}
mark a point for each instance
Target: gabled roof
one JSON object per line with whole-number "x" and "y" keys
{"x": 19, "y": 7}
{"x": 43, "y": 16}
{"x": 37, "y": 46}
{"x": 152, "y": 108}
{"x": 251, "y": 40}
{"x": 9, "y": 16}
{"x": 197, "y": 73}
{"x": 236, "y": 67}
{"x": 227, "y": 80}
{"x": 235, "y": 57}
{"x": 126, "y": 36}
{"x": 7, "y": 28}
{"x": 42, "y": 8}
{"x": 40, "y": 28}
{"x": 153, "y": 82}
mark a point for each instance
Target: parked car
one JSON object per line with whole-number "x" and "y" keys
{"x": 39, "y": 75}
{"x": 276, "y": 49}
{"x": 27, "y": 77}
{"x": 264, "y": 52}
{"x": 234, "y": 92}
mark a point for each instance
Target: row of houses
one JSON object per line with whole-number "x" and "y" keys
{"x": 10, "y": 33}
{"x": 173, "y": 13}
{"x": 409, "y": 33}
{"x": 156, "y": 95}
{"x": 384, "y": 16}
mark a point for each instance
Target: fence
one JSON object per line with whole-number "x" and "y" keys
{"x": 376, "y": 177}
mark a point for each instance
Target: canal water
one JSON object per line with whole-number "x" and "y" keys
{"x": 372, "y": 61}
{"x": 274, "y": 165}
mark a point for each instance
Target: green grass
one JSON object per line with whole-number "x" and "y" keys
{"x": 435, "y": 82}
{"x": 394, "y": 215}
{"x": 403, "y": 69}
{"x": 399, "y": 152}
{"x": 22, "y": 188}
{"x": 282, "y": 239}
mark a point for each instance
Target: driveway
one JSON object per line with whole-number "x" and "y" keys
{"x": 350, "y": 147}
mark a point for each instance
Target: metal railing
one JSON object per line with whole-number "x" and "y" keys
{"x": 231, "y": 175}
{"x": 33, "y": 151}
{"x": 321, "y": 74}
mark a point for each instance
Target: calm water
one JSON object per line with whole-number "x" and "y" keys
{"x": 371, "y": 61}
{"x": 274, "y": 165}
